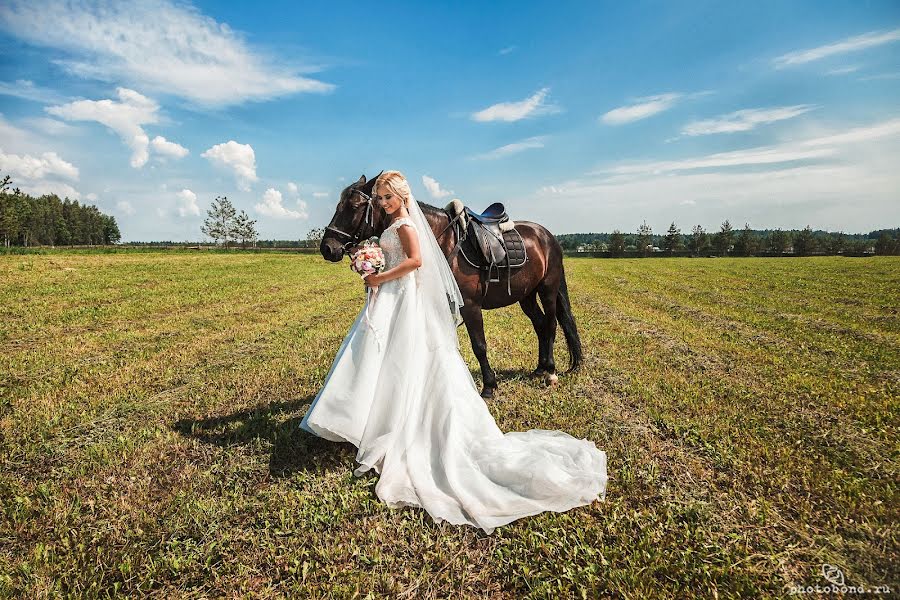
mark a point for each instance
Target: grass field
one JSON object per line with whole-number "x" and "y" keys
{"x": 149, "y": 410}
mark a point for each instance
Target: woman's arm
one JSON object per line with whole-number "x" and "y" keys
{"x": 409, "y": 239}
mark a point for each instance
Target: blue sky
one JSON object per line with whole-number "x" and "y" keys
{"x": 580, "y": 116}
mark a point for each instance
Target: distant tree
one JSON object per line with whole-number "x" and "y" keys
{"x": 699, "y": 240}
{"x": 315, "y": 235}
{"x": 111, "y": 234}
{"x": 778, "y": 241}
{"x": 722, "y": 241}
{"x": 886, "y": 245}
{"x": 617, "y": 243}
{"x": 244, "y": 229}
{"x": 804, "y": 242}
{"x": 645, "y": 239}
{"x": 745, "y": 244}
{"x": 219, "y": 223}
{"x": 672, "y": 241}
{"x": 834, "y": 242}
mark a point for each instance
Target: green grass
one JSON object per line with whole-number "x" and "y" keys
{"x": 150, "y": 402}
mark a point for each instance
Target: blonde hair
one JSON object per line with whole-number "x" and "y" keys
{"x": 396, "y": 182}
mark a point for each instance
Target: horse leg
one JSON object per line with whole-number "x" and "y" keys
{"x": 531, "y": 309}
{"x": 472, "y": 317}
{"x": 548, "y": 296}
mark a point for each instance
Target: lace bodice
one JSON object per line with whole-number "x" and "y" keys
{"x": 391, "y": 245}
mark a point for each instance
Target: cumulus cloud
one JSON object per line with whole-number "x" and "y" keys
{"x": 844, "y": 179}
{"x": 292, "y": 188}
{"x": 124, "y": 117}
{"x": 851, "y": 44}
{"x": 28, "y": 167}
{"x": 643, "y": 108}
{"x": 49, "y": 126}
{"x": 514, "y": 148}
{"x": 187, "y": 203}
{"x": 160, "y": 45}
{"x": 166, "y": 148}
{"x": 514, "y": 111}
{"x": 239, "y": 158}
{"x": 125, "y": 207}
{"x": 434, "y": 188}
{"x": 744, "y": 120}
{"x": 272, "y": 206}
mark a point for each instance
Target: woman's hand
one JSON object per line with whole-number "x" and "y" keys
{"x": 372, "y": 280}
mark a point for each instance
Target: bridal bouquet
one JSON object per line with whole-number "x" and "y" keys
{"x": 367, "y": 258}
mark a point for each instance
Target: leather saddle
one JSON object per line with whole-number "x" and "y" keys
{"x": 488, "y": 240}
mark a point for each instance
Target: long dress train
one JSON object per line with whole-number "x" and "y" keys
{"x": 417, "y": 418}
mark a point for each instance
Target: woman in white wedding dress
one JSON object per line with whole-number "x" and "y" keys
{"x": 401, "y": 392}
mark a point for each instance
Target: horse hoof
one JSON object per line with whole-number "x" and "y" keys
{"x": 487, "y": 393}
{"x": 551, "y": 378}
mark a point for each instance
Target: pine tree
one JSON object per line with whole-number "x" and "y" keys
{"x": 672, "y": 241}
{"x": 244, "y": 229}
{"x": 804, "y": 242}
{"x": 778, "y": 241}
{"x": 645, "y": 239}
{"x": 617, "y": 243}
{"x": 219, "y": 223}
{"x": 699, "y": 240}
{"x": 723, "y": 238}
{"x": 745, "y": 244}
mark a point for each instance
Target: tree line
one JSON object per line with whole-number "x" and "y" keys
{"x": 46, "y": 220}
{"x": 727, "y": 241}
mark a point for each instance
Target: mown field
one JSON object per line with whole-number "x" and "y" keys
{"x": 149, "y": 410}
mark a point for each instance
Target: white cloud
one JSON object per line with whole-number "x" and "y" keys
{"x": 514, "y": 148}
{"x": 30, "y": 168}
{"x": 843, "y": 70}
{"x": 507, "y": 50}
{"x": 851, "y": 44}
{"x": 125, "y": 207}
{"x": 839, "y": 180}
{"x": 187, "y": 203}
{"x": 292, "y": 187}
{"x": 643, "y": 108}
{"x": 49, "y": 126}
{"x": 162, "y": 46}
{"x": 515, "y": 111}
{"x": 25, "y": 89}
{"x": 239, "y": 158}
{"x": 434, "y": 188}
{"x": 744, "y": 120}
{"x": 272, "y": 206}
{"x": 320, "y": 194}
{"x": 124, "y": 117}
{"x": 163, "y": 146}
{"x": 895, "y": 75}
{"x": 92, "y": 197}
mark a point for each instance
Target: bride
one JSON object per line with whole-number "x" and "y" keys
{"x": 401, "y": 392}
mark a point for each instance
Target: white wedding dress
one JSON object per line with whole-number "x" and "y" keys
{"x": 417, "y": 418}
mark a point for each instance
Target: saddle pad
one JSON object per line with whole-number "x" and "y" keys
{"x": 515, "y": 248}
{"x": 515, "y": 251}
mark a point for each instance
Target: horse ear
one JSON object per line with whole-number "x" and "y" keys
{"x": 361, "y": 180}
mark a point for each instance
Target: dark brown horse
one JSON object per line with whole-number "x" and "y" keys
{"x": 357, "y": 218}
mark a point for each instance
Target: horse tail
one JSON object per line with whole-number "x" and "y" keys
{"x": 566, "y": 321}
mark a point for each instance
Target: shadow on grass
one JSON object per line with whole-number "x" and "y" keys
{"x": 292, "y": 449}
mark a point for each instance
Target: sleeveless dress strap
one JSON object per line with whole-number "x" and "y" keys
{"x": 403, "y": 221}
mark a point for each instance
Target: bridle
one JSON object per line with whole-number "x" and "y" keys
{"x": 369, "y": 220}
